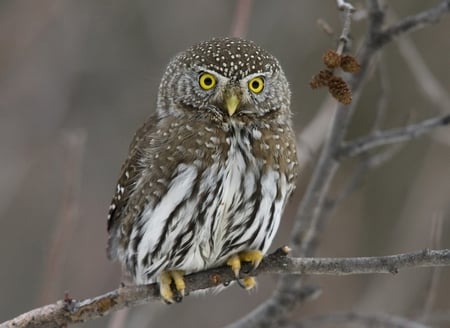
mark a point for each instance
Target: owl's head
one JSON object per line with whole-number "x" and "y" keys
{"x": 226, "y": 77}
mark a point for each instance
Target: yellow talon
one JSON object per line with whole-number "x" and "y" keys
{"x": 165, "y": 286}
{"x": 235, "y": 263}
{"x": 249, "y": 283}
{"x": 254, "y": 257}
{"x": 178, "y": 279}
{"x": 165, "y": 290}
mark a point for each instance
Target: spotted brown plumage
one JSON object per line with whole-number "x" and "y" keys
{"x": 209, "y": 174}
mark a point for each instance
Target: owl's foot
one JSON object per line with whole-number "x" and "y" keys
{"x": 165, "y": 286}
{"x": 254, "y": 257}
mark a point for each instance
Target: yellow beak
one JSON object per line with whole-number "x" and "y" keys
{"x": 232, "y": 103}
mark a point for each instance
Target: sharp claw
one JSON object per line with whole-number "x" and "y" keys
{"x": 253, "y": 256}
{"x": 241, "y": 284}
{"x": 235, "y": 263}
{"x": 180, "y": 286}
{"x": 165, "y": 289}
{"x": 165, "y": 286}
{"x": 249, "y": 283}
{"x": 255, "y": 266}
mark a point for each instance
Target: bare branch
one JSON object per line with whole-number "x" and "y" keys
{"x": 70, "y": 311}
{"x": 366, "y": 319}
{"x": 347, "y": 10}
{"x": 428, "y": 84}
{"x": 415, "y": 22}
{"x": 240, "y": 18}
{"x": 385, "y": 93}
{"x": 392, "y": 136}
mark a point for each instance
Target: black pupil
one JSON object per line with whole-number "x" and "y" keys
{"x": 208, "y": 81}
{"x": 255, "y": 84}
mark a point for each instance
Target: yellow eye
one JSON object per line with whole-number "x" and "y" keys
{"x": 207, "y": 81}
{"x": 256, "y": 85}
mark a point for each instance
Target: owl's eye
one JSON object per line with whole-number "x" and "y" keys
{"x": 207, "y": 81}
{"x": 256, "y": 85}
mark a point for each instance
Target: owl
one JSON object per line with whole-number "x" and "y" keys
{"x": 209, "y": 173}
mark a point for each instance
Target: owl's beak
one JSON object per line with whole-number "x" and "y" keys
{"x": 232, "y": 102}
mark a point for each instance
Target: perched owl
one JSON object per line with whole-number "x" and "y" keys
{"x": 208, "y": 175}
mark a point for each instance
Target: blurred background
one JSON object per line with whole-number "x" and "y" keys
{"x": 78, "y": 77}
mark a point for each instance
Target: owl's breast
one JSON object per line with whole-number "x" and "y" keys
{"x": 246, "y": 198}
{"x": 229, "y": 199}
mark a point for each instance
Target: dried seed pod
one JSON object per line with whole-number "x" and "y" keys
{"x": 340, "y": 90}
{"x": 331, "y": 59}
{"x": 350, "y": 64}
{"x": 321, "y": 79}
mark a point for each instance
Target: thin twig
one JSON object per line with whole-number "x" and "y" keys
{"x": 414, "y": 22}
{"x": 398, "y": 135}
{"x": 347, "y": 10}
{"x": 428, "y": 84}
{"x": 241, "y": 16}
{"x": 66, "y": 312}
{"x": 385, "y": 93}
{"x": 367, "y": 162}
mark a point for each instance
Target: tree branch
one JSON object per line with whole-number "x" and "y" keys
{"x": 415, "y": 22}
{"x": 403, "y": 134}
{"x": 240, "y": 18}
{"x": 69, "y": 311}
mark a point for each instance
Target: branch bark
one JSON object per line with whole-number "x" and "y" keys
{"x": 403, "y": 134}
{"x": 414, "y": 22}
{"x": 69, "y": 311}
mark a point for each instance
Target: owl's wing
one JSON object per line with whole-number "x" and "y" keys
{"x": 129, "y": 173}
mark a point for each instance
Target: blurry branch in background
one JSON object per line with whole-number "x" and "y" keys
{"x": 428, "y": 84}
{"x": 378, "y": 139}
{"x": 313, "y": 135}
{"x": 70, "y": 311}
{"x": 310, "y": 214}
{"x": 74, "y": 144}
{"x": 240, "y": 18}
{"x": 413, "y": 23}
